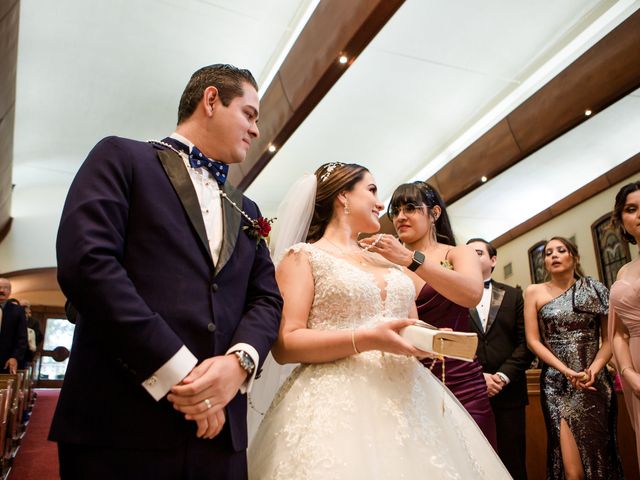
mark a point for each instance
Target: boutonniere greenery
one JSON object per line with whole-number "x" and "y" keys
{"x": 258, "y": 228}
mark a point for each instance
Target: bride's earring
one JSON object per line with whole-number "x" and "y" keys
{"x": 347, "y": 211}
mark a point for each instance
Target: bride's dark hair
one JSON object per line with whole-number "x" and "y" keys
{"x": 333, "y": 178}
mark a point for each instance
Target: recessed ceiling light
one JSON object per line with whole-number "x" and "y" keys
{"x": 483, "y": 179}
{"x": 588, "y": 112}
{"x": 272, "y": 148}
{"x": 343, "y": 59}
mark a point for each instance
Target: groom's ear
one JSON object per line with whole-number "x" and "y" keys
{"x": 210, "y": 100}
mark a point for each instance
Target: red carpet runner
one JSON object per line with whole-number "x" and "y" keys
{"x": 37, "y": 457}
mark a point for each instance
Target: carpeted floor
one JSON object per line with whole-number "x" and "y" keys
{"x": 37, "y": 457}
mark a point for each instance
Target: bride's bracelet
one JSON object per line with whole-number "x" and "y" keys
{"x": 353, "y": 341}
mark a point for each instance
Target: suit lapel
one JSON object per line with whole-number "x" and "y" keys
{"x": 473, "y": 313}
{"x": 179, "y": 177}
{"x": 497, "y": 294}
{"x": 231, "y": 224}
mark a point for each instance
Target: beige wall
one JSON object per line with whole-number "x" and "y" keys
{"x": 575, "y": 222}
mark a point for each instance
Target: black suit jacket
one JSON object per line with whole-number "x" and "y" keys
{"x": 503, "y": 347}
{"x": 13, "y": 334}
{"x": 133, "y": 258}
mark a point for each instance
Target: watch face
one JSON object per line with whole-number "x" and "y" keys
{"x": 418, "y": 257}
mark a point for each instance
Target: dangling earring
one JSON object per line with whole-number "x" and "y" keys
{"x": 346, "y": 208}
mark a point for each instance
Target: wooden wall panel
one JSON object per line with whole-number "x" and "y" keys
{"x": 9, "y": 16}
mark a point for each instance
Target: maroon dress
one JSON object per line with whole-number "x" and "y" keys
{"x": 464, "y": 379}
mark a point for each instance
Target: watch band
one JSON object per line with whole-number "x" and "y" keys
{"x": 417, "y": 260}
{"x": 245, "y": 360}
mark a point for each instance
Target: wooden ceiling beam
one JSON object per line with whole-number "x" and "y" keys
{"x": 604, "y": 181}
{"x": 604, "y": 74}
{"x": 309, "y": 71}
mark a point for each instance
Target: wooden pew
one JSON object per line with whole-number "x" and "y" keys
{"x": 7, "y": 399}
{"x": 5, "y": 396}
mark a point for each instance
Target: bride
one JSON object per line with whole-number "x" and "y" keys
{"x": 360, "y": 405}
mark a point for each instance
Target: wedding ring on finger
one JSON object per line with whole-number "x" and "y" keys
{"x": 375, "y": 242}
{"x": 207, "y": 402}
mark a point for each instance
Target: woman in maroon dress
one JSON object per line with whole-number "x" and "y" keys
{"x": 449, "y": 282}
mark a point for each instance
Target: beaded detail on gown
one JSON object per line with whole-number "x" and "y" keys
{"x": 570, "y": 327}
{"x": 371, "y": 415}
{"x": 464, "y": 379}
{"x": 625, "y": 306}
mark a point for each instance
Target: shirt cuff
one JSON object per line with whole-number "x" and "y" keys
{"x": 170, "y": 374}
{"x": 503, "y": 377}
{"x": 253, "y": 353}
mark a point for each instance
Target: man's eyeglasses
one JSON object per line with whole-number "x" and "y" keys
{"x": 407, "y": 209}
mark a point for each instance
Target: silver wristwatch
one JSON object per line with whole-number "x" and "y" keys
{"x": 245, "y": 360}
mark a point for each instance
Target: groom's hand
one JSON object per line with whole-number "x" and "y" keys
{"x": 208, "y": 388}
{"x": 211, "y": 426}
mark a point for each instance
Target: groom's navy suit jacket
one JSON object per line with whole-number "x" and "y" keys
{"x": 133, "y": 258}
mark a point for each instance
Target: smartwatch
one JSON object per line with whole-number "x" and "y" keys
{"x": 417, "y": 260}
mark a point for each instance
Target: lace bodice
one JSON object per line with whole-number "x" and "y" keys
{"x": 348, "y": 297}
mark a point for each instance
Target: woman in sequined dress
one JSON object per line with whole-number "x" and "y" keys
{"x": 359, "y": 405}
{"x": 449, "y": 282}
{"x": 566, "y": 327}
{"x": 624, "y": 311}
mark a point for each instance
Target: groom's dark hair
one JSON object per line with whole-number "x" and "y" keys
{"x": 227, "y": 79}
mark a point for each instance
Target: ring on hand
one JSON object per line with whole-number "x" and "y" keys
{"x": 207, "y": 402}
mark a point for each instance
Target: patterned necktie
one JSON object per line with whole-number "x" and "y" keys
{"x": 219, "y": 170}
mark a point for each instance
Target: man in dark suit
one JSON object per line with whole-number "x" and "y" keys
{"x": 13, "y": 330}
{"x": 502, "y": 350}
{"x": 175, "y": 292}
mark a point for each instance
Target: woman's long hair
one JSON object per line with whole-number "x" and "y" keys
{"x": 333, "y": 178}
{"x": 616, "y": 215}
{"x": 578, "y": 273}
{"x": 421, "y": 193}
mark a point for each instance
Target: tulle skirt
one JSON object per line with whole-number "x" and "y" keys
{"x": 370, "y": 416}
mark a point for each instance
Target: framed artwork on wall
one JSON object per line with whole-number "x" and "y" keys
{"x": 536, "y": 262}
{"x": 612, "y": 251}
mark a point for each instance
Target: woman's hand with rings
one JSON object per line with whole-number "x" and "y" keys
{"x": 389, "y": 247}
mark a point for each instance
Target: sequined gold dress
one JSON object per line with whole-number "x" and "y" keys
{"x": 570, "y": 328}
{"x": 371, "y": 415}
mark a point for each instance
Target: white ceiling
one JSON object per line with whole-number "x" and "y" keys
{"x": 435, "y": 78}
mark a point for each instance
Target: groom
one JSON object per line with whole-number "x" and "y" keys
{"x": 176, "y": 296}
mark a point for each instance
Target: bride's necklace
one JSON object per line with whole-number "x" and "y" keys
{"x": 359, "y": 254}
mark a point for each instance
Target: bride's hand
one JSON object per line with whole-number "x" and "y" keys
{"x": 389, "y": 247}
{"x": 385, "y": 337}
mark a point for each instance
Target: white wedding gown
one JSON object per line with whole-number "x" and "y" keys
{"x": 371, "y": 415}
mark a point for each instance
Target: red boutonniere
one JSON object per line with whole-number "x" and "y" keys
{"x": 259, "y": 228}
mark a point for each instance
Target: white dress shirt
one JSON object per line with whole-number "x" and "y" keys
{"x": 483, "y": 312}
{"x": 179, "y": 366}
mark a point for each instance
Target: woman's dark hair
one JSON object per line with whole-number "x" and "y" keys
{"x": 333, "y": 179}
{"x": 573, "y": 250}
{"x": 421, "y": 193}
{"x": 616, "y": 215}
